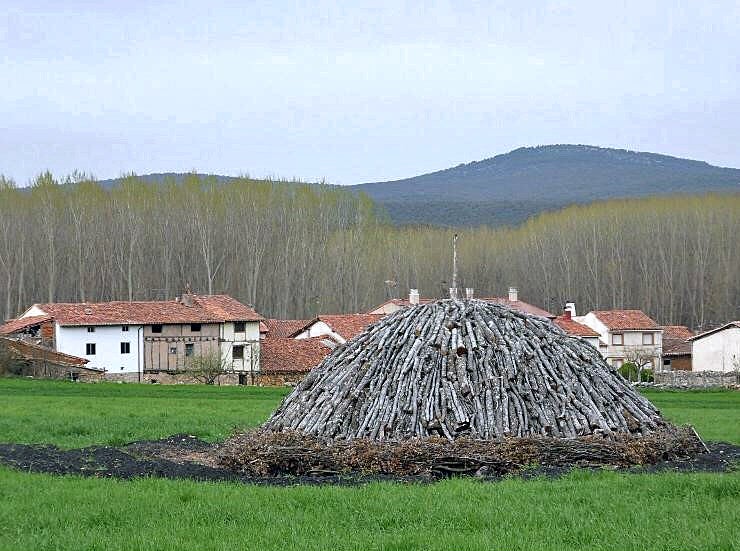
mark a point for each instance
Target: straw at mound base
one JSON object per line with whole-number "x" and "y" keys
{"x": 464, "y": 368}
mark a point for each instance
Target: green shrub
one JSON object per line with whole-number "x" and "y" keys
{"x": 647, "y": 376}
{"x": 628, "y": 371}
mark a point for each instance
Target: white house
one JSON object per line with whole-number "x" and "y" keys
{"x": 717, "y": 349}
{"x": 626, "y": 335}
{"x": 575, "y": 329}
{"x": 339, "y": 327}
{"x": 133, "y": 338}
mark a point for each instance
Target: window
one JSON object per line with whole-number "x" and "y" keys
{"x": 173, "y": 350}
{"x": 124, "y": 328}
{"x": 90, "y": 329}
{"x": 240, "y": 327}
{"x": 157, "y": 328}
{"x": 189, "y": 349}
{"x": 618, "y": 338}
{"x": 90, "y": 349}
{"x": 195, "y": 327}
{"x": 667, "y": 362}
{"x": 238, "y": 352}
{"x": 647, "y": 338}
{"x": 125, "y": 348}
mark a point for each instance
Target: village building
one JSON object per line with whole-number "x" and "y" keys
{"x": 677, "y": 348}
{"x": 338, "y": 327}
{"x": 286, "y": 361}
{"x": 575, "y": 329}
{"x": 141, "y": 340}
{"x": 511, "y": 301}
{"x": 626, "y": 336}
{"x": 717, "y": 349}
{"x": 277, "y": 328}
{"x": 26, "y": 359}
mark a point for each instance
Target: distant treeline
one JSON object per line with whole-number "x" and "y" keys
{"x": 295, "y": 250}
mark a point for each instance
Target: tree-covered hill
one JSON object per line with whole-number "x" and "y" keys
{"x": 509, "y": 188}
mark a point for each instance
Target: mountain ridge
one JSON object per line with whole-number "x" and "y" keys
{"x": 509, "y": 188}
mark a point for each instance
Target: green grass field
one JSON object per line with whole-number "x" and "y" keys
{"x": 584, "y": 510}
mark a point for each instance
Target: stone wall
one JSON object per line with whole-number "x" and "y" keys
{"x": 174, "y": 378}
{"x": 697, "y": 379}
{"x": 279, "y": 378}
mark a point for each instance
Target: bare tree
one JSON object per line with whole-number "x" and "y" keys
{"x": 206, "y": 368}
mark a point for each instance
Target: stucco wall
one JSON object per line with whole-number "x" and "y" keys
{"x": 719, "y": 351}
{"x": 107, "y": 339}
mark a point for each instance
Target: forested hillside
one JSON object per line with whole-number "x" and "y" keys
{"x": 509, "y": 188}
{"x": 295, "y": 250}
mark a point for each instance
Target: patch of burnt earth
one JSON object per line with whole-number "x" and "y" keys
{"x": 178, "y": 448}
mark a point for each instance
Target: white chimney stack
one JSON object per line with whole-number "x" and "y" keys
{"x": 413, "y": 296}
{"x": 571, "y": 308}
{"x": 469, "y": 293}
{"x": 453, "y": 293}
{"x": 513, "y": 294}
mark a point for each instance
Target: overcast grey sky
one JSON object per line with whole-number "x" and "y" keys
{"x": 355, "y": 92}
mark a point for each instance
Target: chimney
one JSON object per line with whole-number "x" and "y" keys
{"x": 453, "y": 293}
{"x": 469, "y": 293}
{"x": 513, "y": 294}
{"x": 570, "y": 307}
{"x": 187, "y": 299}
{"x": 413, "y": 297}
{"x": 566, "y": 314}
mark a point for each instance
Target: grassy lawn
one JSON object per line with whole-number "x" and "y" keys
{"x": 74, "y": 415}
{"x": 600, "y": 510}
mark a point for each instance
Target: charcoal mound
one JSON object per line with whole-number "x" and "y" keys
{"x": 464, "y": 369}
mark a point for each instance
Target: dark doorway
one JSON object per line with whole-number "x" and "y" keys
{"x": 242, "y": 378}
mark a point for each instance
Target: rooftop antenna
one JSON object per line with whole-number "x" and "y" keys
{"x": 453, "y": 288}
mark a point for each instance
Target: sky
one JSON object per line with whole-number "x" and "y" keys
{"x": 353, "y": 92}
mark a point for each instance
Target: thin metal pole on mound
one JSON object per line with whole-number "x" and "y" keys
{"x": 453, "y": 289}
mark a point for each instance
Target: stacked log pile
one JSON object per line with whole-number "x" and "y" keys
{"x": 470, "y": 369}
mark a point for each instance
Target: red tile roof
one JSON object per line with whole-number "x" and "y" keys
{"x": 675, "y": 340}
{"x": 573, "y": 328}
{"x": 13, "y": 326}
{"x": 35, "y": 352}
{"x": 205, "y": 309}
{"x": 345, "y": 325}
{"x": 625, "y": 319}
{"x": 520, "y": 306}
{"x": 284, "y": 328}
{"x": 402, "y": 302}
{"x": 284, "y": 354}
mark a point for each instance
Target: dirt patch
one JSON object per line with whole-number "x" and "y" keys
{"x": 186, "y": 457}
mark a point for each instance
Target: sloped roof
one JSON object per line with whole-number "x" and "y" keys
{"x": 205, "y": 309}
{"x": 521, "y": 306}
{"x": 15, "y": 325}
{"x": 625, "y": 319}
{"x": 279, "y": 354}
{"x": 715, "y": 330}
{"x": 227, "y": 308}
{"x": 675, "y": 341}
{"x": 574, "y": 328}
{"x": 345, "y": 325}
{"x": 402, "y": 302}
{"x": 34, "y": 352}
{"x": 284, "y": 328}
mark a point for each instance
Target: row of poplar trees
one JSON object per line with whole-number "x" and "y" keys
{"x": 294, "y": 250}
